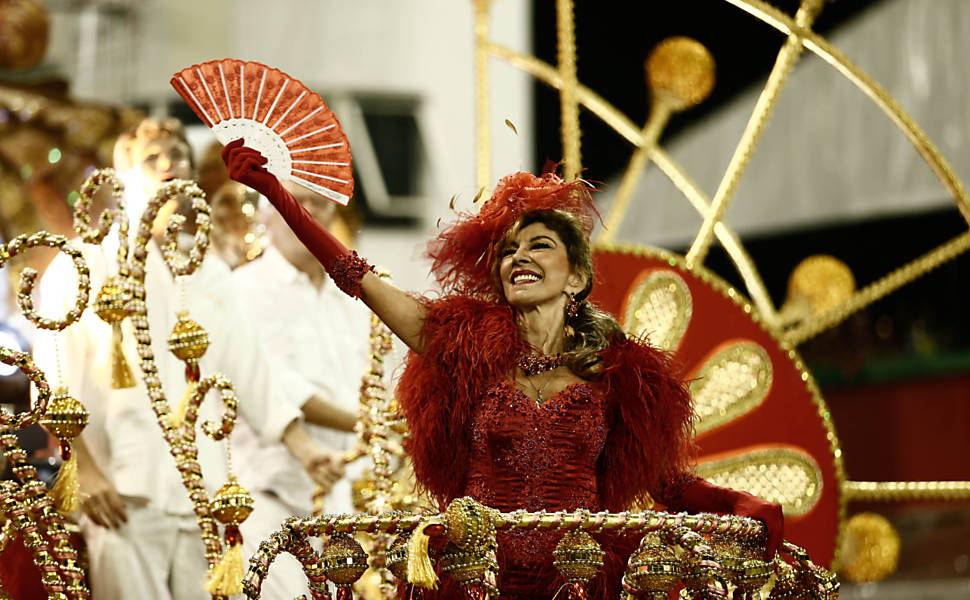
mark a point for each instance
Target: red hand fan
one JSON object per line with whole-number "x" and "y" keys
{"x": 278, "y": 116}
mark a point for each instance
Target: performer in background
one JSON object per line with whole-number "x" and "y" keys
{"x": 517, "y": 391}
{"x": 321, "y": 337}
{"x": 141, "y": 533}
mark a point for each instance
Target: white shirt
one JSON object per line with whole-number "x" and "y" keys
{"x": 322, "y": 336}
{"x": 123, "y": 433}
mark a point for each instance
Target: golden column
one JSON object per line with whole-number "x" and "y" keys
{"x": 568, "y": 101}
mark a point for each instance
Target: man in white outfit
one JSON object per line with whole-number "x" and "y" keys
{"x": 142, "y": 536}
{"x": 323, "y": 337}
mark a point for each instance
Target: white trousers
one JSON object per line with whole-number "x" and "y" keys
{"x": 154, "y": 555}
{"x": 160, "y": 556}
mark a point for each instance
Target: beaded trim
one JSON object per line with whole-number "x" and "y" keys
{"x": 347, "y": 271}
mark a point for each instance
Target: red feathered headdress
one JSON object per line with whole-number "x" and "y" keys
{"x": 463, "y": 252}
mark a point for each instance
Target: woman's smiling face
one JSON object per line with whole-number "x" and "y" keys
{"x": 534, "y": 267}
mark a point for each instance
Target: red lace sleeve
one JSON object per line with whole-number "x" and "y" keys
{"x": 468, "y": 344}
{"x": 650, "y": 441}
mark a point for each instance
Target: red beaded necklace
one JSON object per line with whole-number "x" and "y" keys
{"x": 533, "y": 363}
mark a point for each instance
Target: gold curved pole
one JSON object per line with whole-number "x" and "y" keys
{"x": 880, "y": 288}
{"x": 827, "y": 52}
{"x": 864, "y": 491}
{"x": 659, "y": 116}
{"x": 481, "y": 93}
{"x": 569, "y": 105}
{"x": 620, "y": 123}
{"x": 550, "y": 76}
{"x": 752, "y": 132}
{"x": 728, "y": 239}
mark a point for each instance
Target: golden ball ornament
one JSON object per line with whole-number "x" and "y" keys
{"x": 110, "y": 305}
{"x": 467, "y": 522}
{"x": 397, "y": 558}
{"x": 578, "y": 556}
{"x": 654, "y": 568}
{"x": 752, "y": 575}
{"x": 870, "y": 550}
{"x": 464, "y": 565}
{"x": 788, "y": 585}
{"x": 65, "y": 417}
{"x": 232, "y": 504}
{"x": 820, "y": 282}
{"x": 344, "y": 560}
{"x": 188, "y": 340}
{"x": 680, "y": 72}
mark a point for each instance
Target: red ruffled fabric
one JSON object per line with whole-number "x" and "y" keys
{"x": 595, "y": 445}
{"x": 463, "y": 253}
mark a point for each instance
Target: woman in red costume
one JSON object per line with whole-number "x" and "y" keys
{"x": 517, "y": 392}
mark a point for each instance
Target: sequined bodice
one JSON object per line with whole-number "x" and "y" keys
{"x": 536, "y": 456}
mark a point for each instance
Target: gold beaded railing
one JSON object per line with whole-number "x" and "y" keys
{"x": 709, "y": 556}
{"x": 25, "y": 505}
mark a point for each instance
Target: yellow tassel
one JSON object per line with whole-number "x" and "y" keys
{"x": 121, "y": 375}
{"x": 178, "y": 415}
{"x": 225, "y": 579}
{"x": 420, "y": 570}
{"x": 65, "y": 490}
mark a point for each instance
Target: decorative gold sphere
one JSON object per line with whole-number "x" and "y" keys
{"x": 752, "y": 575}
{"x": 232, "y": 503}
{"x": 680, "y": 72}
{"x": 397, "y": 558}
{"x": 654, "y": 568}
{"x": 788, "y": 585}
{"x": 188, "y": 340}
{"x": 467, "y": 522}
{"x": 870, "y": 550}
{"x": 578, "y": 556}
{"x": 110, "y": 303}
{"x": 463, "y": 565}
{"x": 66, "y": 417}
{"x": 344, "y": 560}
{"x": 819, "y": 283}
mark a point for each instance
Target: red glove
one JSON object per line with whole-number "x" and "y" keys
{"x": 344, "y": 266}
{"x": 700, "y": 496}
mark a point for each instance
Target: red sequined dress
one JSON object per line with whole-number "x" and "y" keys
{"x": 597, "y": 445}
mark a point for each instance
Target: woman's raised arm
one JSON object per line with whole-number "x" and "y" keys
{"x": 399, "y": 311}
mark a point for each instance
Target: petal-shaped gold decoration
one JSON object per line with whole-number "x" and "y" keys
{"x": 659, "y": 307}
{"x": 783, "y": 475}
{"x": 731, "y": 383}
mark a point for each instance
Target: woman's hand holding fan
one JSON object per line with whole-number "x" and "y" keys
{"x": 276, "y": 115}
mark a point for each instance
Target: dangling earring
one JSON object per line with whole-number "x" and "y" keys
{"x": 572, "y": 307}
